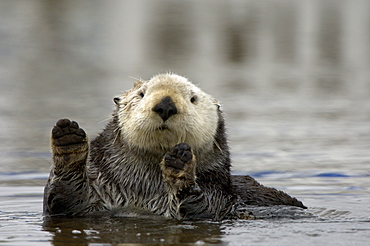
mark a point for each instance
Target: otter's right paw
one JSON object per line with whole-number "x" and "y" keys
{"x": 68, "y": 143}
{"x": 178, "y": 168}
{"x": 67, "y": 132}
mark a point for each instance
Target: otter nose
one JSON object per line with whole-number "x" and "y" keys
{"x": 165, "y": 108}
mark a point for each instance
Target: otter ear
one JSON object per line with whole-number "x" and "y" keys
{"x": 215, "y": 102}
{"x": 116, "y": 100}
{"x": 138, "y": 83}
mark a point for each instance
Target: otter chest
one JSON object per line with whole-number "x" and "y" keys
{"x": 130, "y": 185}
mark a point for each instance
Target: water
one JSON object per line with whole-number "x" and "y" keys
{"x": 293, "y": 78}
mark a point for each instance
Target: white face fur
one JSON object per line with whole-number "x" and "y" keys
{"x": 195, "y": 122}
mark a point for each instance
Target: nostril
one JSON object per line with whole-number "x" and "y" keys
{"x": 159, "y": 110}
{"x": 165, "y": 108}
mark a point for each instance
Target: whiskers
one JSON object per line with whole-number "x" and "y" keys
{"x": 137, "y": 79}
{"x": 217, "y": 145}
{"x": 105, "y": 120}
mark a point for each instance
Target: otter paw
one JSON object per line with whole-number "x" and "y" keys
{"x": 69, "y": 145}
{"x": 178, "y": 157}
{"x": 178, "y": 169}
{"x": 67, "y": 132}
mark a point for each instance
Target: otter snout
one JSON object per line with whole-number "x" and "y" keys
{"x": 165, "y": 108}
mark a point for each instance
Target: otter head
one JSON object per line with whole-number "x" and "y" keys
{"x": 156, "y": 115}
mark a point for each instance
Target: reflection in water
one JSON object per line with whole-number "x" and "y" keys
{"x": 236, "y": 50}
{"x": 172, "y": 33}
{"x": 284, "y": 32}
{"x": 153, "y": 230}
{"x": 329, "y": 34}
{"x": 146, "y": 228}
{"x": 86, "y": 49}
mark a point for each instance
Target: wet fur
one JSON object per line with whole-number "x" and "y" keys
{"x": 126, "y": 165}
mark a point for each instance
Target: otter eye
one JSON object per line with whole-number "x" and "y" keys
{"x": 141, "y": 94}
{"x": 193, "y": 99}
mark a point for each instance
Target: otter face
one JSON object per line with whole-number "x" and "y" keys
{"x": 157, "y": 114}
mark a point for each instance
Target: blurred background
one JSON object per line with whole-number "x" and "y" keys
{"x": 292, "y": 76}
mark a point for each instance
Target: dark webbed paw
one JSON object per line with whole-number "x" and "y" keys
{"x": 178, "y": 168}
{"x": 178, "y": 157}
{"x": 69, "y": 143}
{"x": 67, "y": 132}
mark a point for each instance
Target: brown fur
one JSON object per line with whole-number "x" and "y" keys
{"x": 164, "y": 150}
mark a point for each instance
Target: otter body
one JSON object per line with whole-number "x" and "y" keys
{"x": 164, "y": 151}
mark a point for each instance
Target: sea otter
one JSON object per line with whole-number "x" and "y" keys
{"x": 164, "y": 150}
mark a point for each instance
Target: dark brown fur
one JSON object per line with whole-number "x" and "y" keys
{"x": 253, "y": 193}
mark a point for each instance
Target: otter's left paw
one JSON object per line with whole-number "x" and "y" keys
{"x": 178, "y": 157}
{"x": 178, "y": 167}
